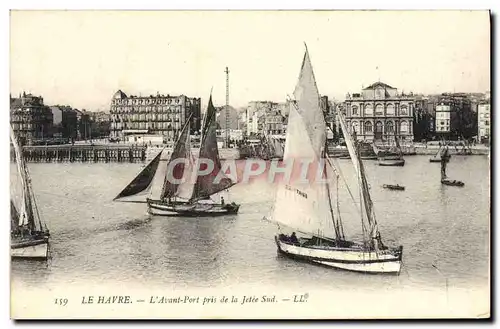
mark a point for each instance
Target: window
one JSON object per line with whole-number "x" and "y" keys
{"x": 354, "y": 110}
{"x": 404, "y": 127}
{"x": 368, "y": 127}
{"x": 368, "y": 110}
{"x": 389, "y": 127}
{"x": 487, "y": 123}
{"x": 404, "y": 110}
{"x": 379, "y": 109}
{"x": 390, "y": 109}
{"x": 442, "y": 122}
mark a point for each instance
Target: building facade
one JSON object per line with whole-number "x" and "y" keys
{"x": 484, "y": 122}
{"x": 443, "y": 118}
{"x": 65, "y": 122}
{"x": 30, "y": 118}
{"x": 157, "y": 115}
{"x": 380, "y": 113}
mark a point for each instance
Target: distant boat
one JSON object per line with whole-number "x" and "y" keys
{"x": 444, "y": 179}
{"x": 185, "y": 198}
{"x": 392, "y": 157}
{"x": 29, "y": 235}
{"x": 394, "y": 187}
{"x": 308, "y": 209}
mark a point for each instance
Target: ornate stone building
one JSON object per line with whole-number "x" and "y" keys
{"x": 30, "y": 118}
{"x": 379, "y": 113}
{"x": 156, "y": 115}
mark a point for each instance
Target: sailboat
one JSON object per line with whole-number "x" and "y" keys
{"x": 29, "y": 235}
{"x": 307, "y": 208}
{"x": 442, "y": 153}
{"x": 392, "y": 157}
{"x": 183, "y": 192}
{"x": 444, "y": 179}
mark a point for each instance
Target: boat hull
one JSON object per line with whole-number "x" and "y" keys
{"x": 392, "y": 163}
{"x": 452, "y": 183}
{"x": 394, "y": 187}
{"x": 157, "y": 208}
{"x": 38, "y": 249}
{"x": 351, "y": 259}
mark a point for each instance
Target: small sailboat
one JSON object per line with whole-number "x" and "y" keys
{"x": 444, "y": 179}
{"x": 307, "y": 208}
{"x": 392, "y": 157}
{"x": 29, "y": 235}
{"x": 183, "y": 192}
{"x": 396, "y": 187}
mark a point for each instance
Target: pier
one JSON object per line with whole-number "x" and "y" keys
{"x": 83, "y": 153}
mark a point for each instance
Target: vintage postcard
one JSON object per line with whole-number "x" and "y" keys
{"x": 250, "y": 164}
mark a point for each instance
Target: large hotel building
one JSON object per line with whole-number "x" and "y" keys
{"x": 379, "y": 113}
{"x": 155, "y": 115}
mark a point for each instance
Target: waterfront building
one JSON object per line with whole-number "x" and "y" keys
{"x": 274, "y": 123}
{"x": 30, "y": 118}
{"x": 158, "y": 115}
{"x": 484, "y": 121}
{"x": 379, "y": 113}
{"x": 65, "y": 121}
{"x": 455, "y": 118}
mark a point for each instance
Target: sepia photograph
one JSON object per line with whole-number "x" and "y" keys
{"x": 244, "y": 164}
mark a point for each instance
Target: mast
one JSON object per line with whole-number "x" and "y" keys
{"x": 227, "y": 108}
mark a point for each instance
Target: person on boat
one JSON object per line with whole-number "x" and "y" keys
{"x": 222, "y": 200}
{"x": 293, "y": 238}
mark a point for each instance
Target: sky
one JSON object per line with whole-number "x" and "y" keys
{"x": 81, "y": 58}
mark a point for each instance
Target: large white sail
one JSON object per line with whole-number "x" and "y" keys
{"x": 21, "y": 170}
{"x": 305, "y": 206}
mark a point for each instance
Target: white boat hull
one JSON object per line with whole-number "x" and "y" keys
{"x": 190, "y": 210}
{"x": 351, "y": 259}
{"x": 37, "y": 251}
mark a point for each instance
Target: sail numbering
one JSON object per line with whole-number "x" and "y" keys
{"x": 306, "y": 208}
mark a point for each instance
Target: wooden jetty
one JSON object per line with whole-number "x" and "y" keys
{"x": 83, "y": 153}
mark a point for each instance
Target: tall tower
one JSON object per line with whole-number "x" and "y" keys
{"x": 227, "y": 108}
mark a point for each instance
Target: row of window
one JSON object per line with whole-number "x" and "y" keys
{"x": 379, "y": 110}
{"x": 129, "y": 109}
{"x": 144, "y": 125}
{"x": 379, "y": 127}
{"x": 146, "y": 117}
{"x": 144, "y": 101}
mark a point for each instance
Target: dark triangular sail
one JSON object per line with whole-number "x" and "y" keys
{"x": 182, "y": 149}
{"x": 142, "y": 181}
{"x": 205, "y": 185}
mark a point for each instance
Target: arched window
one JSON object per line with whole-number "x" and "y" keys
{"x": 355, "y": 109}
{"x": 368, "y": 110}
{"x": 390, "y": 109}
{"x": 404, "y": 127}
{"x": 355, "y": 127}
{"x": 368, "y": 127}
{"x": 379, "y": 127}
{"x": 389, "y": 127}
{"x": 379, "y": 109}
{"x": 404, "y": 110}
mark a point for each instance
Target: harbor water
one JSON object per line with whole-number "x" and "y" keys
{"x": 94, "y": 239}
